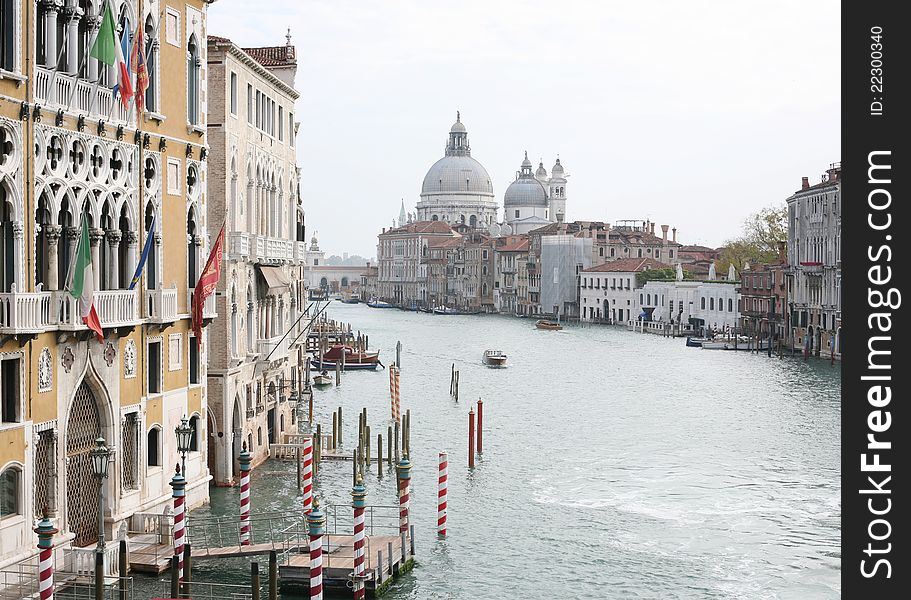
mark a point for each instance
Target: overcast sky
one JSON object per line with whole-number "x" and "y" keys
{"x": 693, "y": 114}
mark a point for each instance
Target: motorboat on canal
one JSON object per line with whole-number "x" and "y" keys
{"x": 445, "y": 310}
{"x": 694, "y": 342}
{"x": 352, "y": 361}
{"x": 322, "y": 379}
{"x": 494, "y": 358}
{"x": 379, "y": 304}
{"x": 548, "y": 325}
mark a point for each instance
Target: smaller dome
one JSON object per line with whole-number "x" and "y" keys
{"x": 541, "y": 173}
{"x": 526, "y": 162}
{"x": 457, "y": 127}
{"x": 557, "y": 171}
{"x": 525, "y": 191}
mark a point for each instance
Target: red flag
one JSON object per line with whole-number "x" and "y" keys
{"x": 138, "y": 64}
{"x": 208, "y": 280}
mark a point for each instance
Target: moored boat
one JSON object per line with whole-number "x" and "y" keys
{"x": 445, "y": 310}
{"x": 548, "y": 325}
{"x": 494, "y": 358}
{"x": 694, "y": 342}
{"x": 350, "y": 300}
{"x": 380, "y": 304}
{"x": 322, "y": 379}
{"x": 351, "y": 356}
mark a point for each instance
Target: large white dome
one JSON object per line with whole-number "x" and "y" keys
{"x": 457, "y": 174}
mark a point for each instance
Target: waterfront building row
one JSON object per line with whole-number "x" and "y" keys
{"x": 213, "y": 144}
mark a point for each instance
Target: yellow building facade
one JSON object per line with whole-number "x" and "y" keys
{"x": 69, "y": 150}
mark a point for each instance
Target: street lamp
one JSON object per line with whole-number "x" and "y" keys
{"x": 100, "y": 456}
{"x": 184, "y": 439}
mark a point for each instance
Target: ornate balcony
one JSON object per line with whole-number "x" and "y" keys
{"x": 79, "y": 96}
{"x": 26, "y": 312}
{"x": 300, "y": 251}
{"x": 208, "y": 309}
{"x": 239, "y": 244}
{"x": 161, "y": 305}
{"x": 275, "y": 348}
{"x": 115, "y": 308}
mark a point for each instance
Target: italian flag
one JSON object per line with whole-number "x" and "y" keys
{"x": 83, "y": 284}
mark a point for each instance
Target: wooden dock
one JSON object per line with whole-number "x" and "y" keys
{"x": 338, "y": 564}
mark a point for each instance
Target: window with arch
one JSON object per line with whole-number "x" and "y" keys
{"x": 711, "y": 303}
{"x": 730, "y": 305}
{"x": 8, "y": 27}
{"x": 720, "y": 304}
{"x": 153, "y": 447}
{"x": 194, "y": 437}
{"x": 151, "y": 41}
{"x": 193, "y": 65}
{"x": 10, "y": 492}
{"x": 702, "y": 302}
{"x": 259, "y": 436}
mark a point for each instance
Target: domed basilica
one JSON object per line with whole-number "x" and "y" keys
{"x": 457, "y": 189}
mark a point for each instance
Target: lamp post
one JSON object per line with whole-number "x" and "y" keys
{"x": 184, "y": 438}
{"x": 100, "y": 456}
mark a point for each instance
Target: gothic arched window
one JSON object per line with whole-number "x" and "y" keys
{"x": 193, "y": 64}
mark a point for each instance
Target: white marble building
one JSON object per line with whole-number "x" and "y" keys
{"x": 457, "y": 188}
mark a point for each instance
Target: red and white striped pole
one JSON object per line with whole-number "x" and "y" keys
{"x": 316, "y": 523}
{"x": 308, "y": 474}
{"x": 441, "y": 495}
{"x": 245, "y": 458}
{"x": 46, "y": 532}
{"x": 403, "y": 473}
{"x": 359, "y": 502}
{"x": 179, "y": 484}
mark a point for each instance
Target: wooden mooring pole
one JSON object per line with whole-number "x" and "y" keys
{"x": 389, "y": 444}
{"x": 273, "y": 575}
{"x": 339, "y": 425}
{"x": 471, "y": 439}
{"x": 175, "y": 576}
{"x": 480, "y": 426}
{"x": 254, "y": 580}
{"x": 379, "y": 455}
{"x": 123, "y": 563}
{"x": 187, "y": 570}
{"x": 334, "y": 430}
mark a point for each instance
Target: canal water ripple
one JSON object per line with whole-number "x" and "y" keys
{"x": 616, "y": 464}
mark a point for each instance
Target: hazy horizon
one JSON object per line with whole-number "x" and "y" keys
{"x": 693, "y": 115}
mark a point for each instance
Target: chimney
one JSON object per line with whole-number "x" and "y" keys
{"x": 804, "y": 183}
{"x": 652, "y": 230}
{"x": 384, "y": 230}
{"x": 664, "y": 234}
{"x": 674, "y": 239}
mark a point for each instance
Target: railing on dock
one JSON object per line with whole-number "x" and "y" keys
{"x": 267, "y": 531}
{"x": 202, "y": 590}
{"x": 74, "y": 586}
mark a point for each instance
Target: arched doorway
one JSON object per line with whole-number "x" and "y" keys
{"x": 84, "y": 426}
{"x": 211, "y": 453}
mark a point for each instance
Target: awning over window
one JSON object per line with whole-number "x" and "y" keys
{"x": 275, "y": 280}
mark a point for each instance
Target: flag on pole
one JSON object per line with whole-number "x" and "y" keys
{"x": 138, "y": 63}
{"x": 124, "y": 85}
{"x": 208, "y": 280}
{"x": 82, "y": 285}
{"x": 105, "y": 46}
{"x": 150, "y": 236}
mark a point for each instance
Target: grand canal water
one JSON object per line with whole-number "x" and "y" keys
{"x": 616, "y": 464}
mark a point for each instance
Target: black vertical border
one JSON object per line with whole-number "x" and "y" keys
{"x": 863, "y": 133}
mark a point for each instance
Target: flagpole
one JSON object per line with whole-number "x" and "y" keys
{"x": 52, "y": 90}
{"x": 104, "y": 7}
{"x": 85, "y": 55}
{"x": 152, "y": 39}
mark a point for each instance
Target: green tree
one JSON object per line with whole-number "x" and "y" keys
{"x": 759, "y": 241}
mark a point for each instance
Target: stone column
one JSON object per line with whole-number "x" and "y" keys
{"x": 91, "y": 66}
{"x": 73, "y": 14}
{"x": 132, "y": 246}
{"x": 52, "y": 477}
{"x": 50, "y": 32}
{"x": 95, "y": 237}
{"x": 52, "y": 235}
{"x": 114, "y": 236}
{"x": 72, "y": 238}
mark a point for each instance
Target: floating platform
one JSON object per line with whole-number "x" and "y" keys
{"x": 338, "y": 565}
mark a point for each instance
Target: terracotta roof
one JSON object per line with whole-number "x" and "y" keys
{"x": 273, "y": 56}
{"x": 218, "y": 39}
{"x": 445, "y": 242}
{"x": 517, "y": 243}
{"x": 422, "y": 227}
{"x": 634, "y": 238}
{"x": 694, "y": 248}
{"x": 628, "y": 265}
